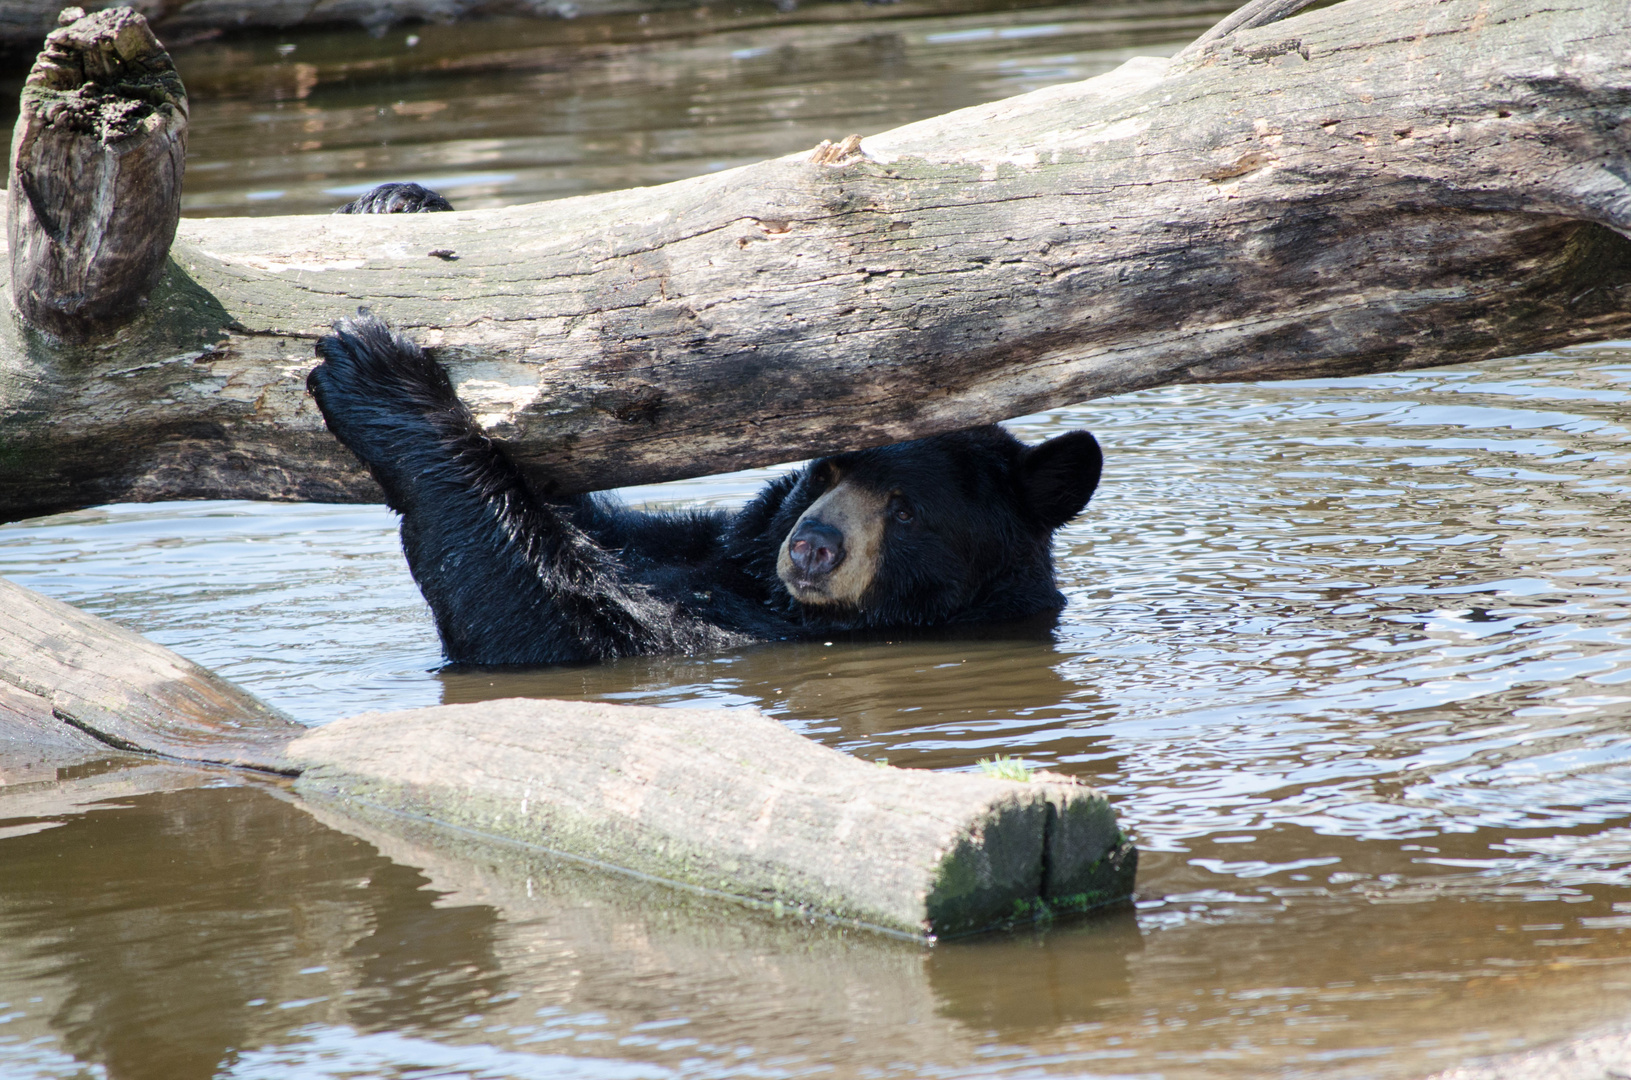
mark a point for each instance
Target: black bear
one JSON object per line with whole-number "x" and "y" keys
{"x": 397, "y": 198}
{"x": 950, "y": 529}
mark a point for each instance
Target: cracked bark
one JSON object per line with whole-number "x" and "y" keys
{"x": 1377, "y": 185}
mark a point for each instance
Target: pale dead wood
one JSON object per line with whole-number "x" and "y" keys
{"x": 840, "y": 153}
{"x": 113, "y": 686}
{"x": 1378, "y": 185}
{"x": 1257, "y": 13}
{"x": 729, "y": 801}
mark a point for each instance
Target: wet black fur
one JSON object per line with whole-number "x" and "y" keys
{"x": 399, "y": 198}
{"x": 517, "y": 579}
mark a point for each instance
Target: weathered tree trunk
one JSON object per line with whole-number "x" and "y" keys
{"x": 68, "y": 678}
{"x": 96, "y": 164}
{"x": 725, "y": 800}
{"x": 1377, "y": 185}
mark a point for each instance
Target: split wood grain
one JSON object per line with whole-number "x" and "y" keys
{"x": 94, "y": 189}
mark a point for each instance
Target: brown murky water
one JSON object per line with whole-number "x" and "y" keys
{"x": 1353, "y": 656}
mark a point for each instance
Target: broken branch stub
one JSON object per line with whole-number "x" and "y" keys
{"x": 1257, "y": 13}
{"x": 96, "y": 167}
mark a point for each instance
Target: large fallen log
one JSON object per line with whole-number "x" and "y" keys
{"x": 70, "y": 679}
{"x": 730, "y": 802}
{"x": 1377, "y": 185}
{"x": 723, "y": 800}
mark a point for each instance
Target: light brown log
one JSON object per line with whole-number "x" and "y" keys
{"x": 1377, "y": 185}
{"x": 731, "y": 802}
{"x": 723, "y": 800}
{"x": 123, "y": 691}
{"x": 94, "y": 189}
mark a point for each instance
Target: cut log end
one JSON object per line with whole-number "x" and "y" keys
{"x": 96, "y": 169}
{"x": 732, "y": 803}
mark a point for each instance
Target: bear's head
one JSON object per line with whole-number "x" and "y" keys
{"x": 950, "y": 528}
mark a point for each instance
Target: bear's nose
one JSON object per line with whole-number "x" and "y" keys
{"x": 816, "y": 549}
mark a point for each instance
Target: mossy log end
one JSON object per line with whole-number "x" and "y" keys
{"x": 1377, "y": 185}
{"x": 731, "y": 802}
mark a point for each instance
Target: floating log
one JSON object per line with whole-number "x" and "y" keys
{"x": 729, "y": 801}
{"x": 95, "y": 179}
{"x": 116, "y": 687}
{"x": 1376, "y": 185}
{"x": 723, "y": 800}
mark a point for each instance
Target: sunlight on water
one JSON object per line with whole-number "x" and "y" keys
{"x": 1352, "y": 656}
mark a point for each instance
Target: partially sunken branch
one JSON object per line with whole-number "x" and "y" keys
{"x": 1376, "y": 185}
{"x": 94, "y": 192}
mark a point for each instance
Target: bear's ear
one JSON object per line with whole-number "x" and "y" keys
{"x": 1058, "y": 476}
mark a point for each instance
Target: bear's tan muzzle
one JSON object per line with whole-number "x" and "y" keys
{"x": 839, "y": 540}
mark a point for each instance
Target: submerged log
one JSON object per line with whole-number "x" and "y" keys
{"x": 102, "y": 682}
{"x": 723, "y": 800}
{"x": 1377, "y": 185}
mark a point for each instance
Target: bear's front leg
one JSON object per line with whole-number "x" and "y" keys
{"x": 509, "y": 577}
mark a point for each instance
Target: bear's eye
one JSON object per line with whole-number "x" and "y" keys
{"x": 901, "y": 511}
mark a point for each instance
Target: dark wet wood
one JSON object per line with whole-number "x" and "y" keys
{"x": 1378, "y": 185}
{"x": 94, "y": 189}
{"x": 68, "y": 678}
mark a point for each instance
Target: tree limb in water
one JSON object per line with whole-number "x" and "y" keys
{"x": 1378, "y": 185}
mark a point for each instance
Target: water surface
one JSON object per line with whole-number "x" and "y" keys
{"x": 1352, "y": 656}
